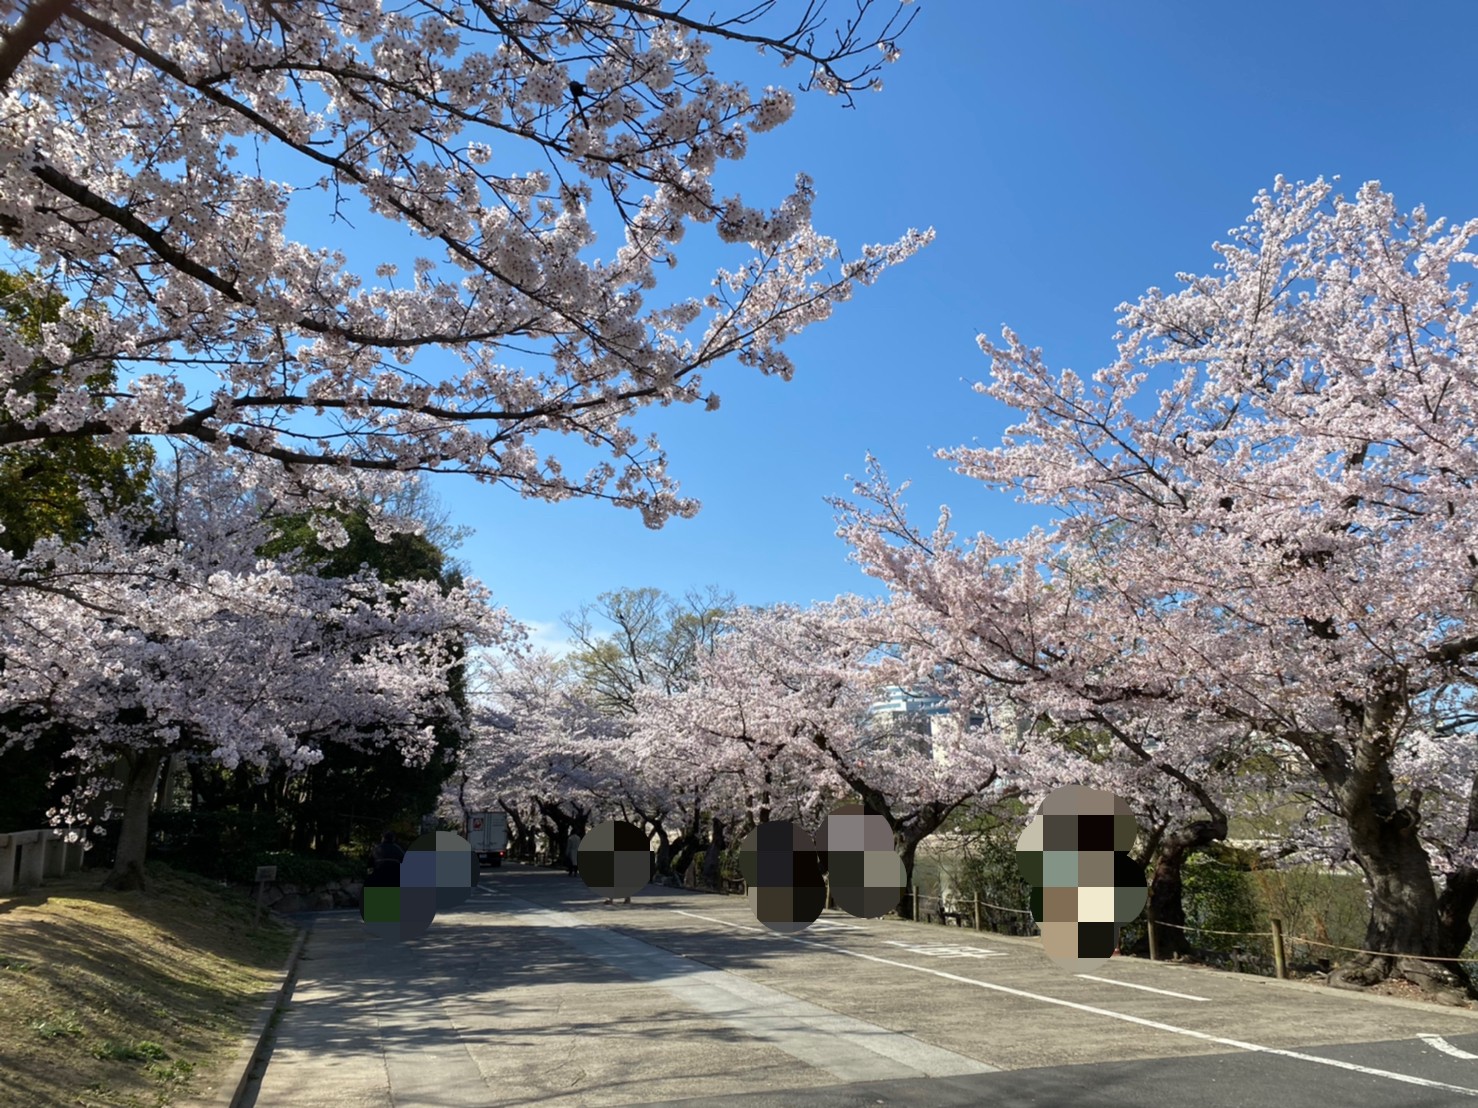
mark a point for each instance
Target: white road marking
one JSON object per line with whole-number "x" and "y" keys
{"x": 1238, "y": 1044}
{"x": 1437, "y": 1042}
{"x": 1146, "y": 988}
{"x": 726, "y": 923}
{"x": 849, "y": 1049}
{"x": 937, "y": 950}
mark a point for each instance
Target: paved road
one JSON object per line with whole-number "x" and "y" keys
{"x": 535, "y": 993}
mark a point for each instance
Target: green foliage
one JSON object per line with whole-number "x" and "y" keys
{"x": 403, "y": 558}
{"x": 1314, "y": 904}
{"x": 1223, "y": 898}
{"x": 44, "y": 485}
{"x": 305, "y": 870}
{"x": 174, "y": 1073}
{"x": 57, "y": 1026}
{"x": 143, "y": 1051}
{"x": 44, "y": 490}
{"x": 988, "y": 867}
{"x": 221, "y": 844}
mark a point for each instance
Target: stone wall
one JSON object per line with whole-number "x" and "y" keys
{"x": 282, "y": 897}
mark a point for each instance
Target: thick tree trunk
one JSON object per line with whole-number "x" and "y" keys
{"x": 522, "y": 835}
{"x": 664, "y": 849}
{"x": 711, "y": 857}
{"x": 1166, "y": 901}
{"x": 133, "y": 837}
{"x": 1404, "y": 922}
{"x": 908, "y": 850}
{"x": 1455, "y": 911}
{"x": 688, "y": 848}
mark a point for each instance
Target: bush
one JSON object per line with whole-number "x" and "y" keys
{"x": 989, "y": 867}
{"x": 229, "y": 846}
{"x": 306, "y": 870}
{"x": 1314, "y": 903}
{"x": 1219, "y": 897}
{"x": 224, "y": 845}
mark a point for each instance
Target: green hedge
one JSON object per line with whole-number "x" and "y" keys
{"x": 304, "y": 869}
{"x": 229, "y": 846}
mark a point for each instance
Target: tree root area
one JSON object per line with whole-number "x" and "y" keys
{"x": 1438, "y": 982}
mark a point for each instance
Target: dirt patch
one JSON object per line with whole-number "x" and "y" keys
{"x": 128, "y": 999}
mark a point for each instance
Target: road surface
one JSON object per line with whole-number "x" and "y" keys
{"x": 535, "y": 993}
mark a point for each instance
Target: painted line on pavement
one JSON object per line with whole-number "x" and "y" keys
{"x": 1237, "y": 1044}
{"x": 1437, "y": 1042}
{"x": 726, "y": 923}
{"x": 848, "y": 1048}
{"x": 1146, "y": 988}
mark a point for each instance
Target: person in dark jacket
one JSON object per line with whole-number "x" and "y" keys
{"x": 387, "y": 856}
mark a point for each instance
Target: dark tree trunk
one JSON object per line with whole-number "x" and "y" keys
{"x": 711, "y": 872}
{"x": 1166, "y": 902}
{"x": 1404, "y": 920}
{"x": 664, "y": 849}
{"x": 688, "y": 848}
{"x": 908, "y": 849}
{"x": 522, "y": 845}
{"x": 1455, "y": 910}
{"x": 133, "y": 836}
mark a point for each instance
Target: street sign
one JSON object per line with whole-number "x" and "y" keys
{"x": 266, "y": 873}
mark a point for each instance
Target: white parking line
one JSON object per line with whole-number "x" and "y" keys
{"x": 1238, "y": 1044}
{"x": 1146, "y": 988}
{"x": 726, "y": 923}
{"x": 1437, "y": 1042}
{"x": 849, "y": 1049}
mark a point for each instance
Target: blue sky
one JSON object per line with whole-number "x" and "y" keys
{"x": 1068, "y": 155}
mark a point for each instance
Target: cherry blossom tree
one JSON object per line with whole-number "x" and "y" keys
{"x": 128, "y": 131}
{"x": 542, "y": 745}
{"x": 194, "y": 644}
{"x": 1280, "y": 538}
{"x": 780, "y": 709}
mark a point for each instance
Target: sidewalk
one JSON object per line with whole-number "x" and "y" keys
{"x": 365, "y": 1016}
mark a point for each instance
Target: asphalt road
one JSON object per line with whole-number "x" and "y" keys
{"x": 534, "y": 993}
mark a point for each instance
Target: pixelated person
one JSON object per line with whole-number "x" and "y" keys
{"x": 1074, "y": 854}
{"x": 616, "y": 859}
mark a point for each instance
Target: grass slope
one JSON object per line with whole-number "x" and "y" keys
{"x": 128, "y": 999}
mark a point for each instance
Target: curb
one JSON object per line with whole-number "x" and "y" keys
{"x": 258, "y": 1039}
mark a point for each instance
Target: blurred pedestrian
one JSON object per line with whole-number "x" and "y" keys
{"x": 387, "y": 856}
{"x": 572, "y": 854}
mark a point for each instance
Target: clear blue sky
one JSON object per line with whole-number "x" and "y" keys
{"x": 1069, "y": 155}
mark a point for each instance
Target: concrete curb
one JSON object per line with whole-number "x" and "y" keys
{"x": 260, "y": 1035}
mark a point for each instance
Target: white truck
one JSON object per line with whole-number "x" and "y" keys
{"x": 488, "y": 834}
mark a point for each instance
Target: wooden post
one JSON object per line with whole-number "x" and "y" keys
{"x": 977, "y": 909}
{"x": 915, "y": 903}
{"x": 1154, "y": 937}
{"x": 1279, "y": 964}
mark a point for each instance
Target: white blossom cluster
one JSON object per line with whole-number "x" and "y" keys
{"x": 1282, "y": 545}
{"x": 197, "y": 646}
{"x": 126, "y": 170}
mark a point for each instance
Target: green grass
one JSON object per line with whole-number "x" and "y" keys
{"x": 128, "y": 1000}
